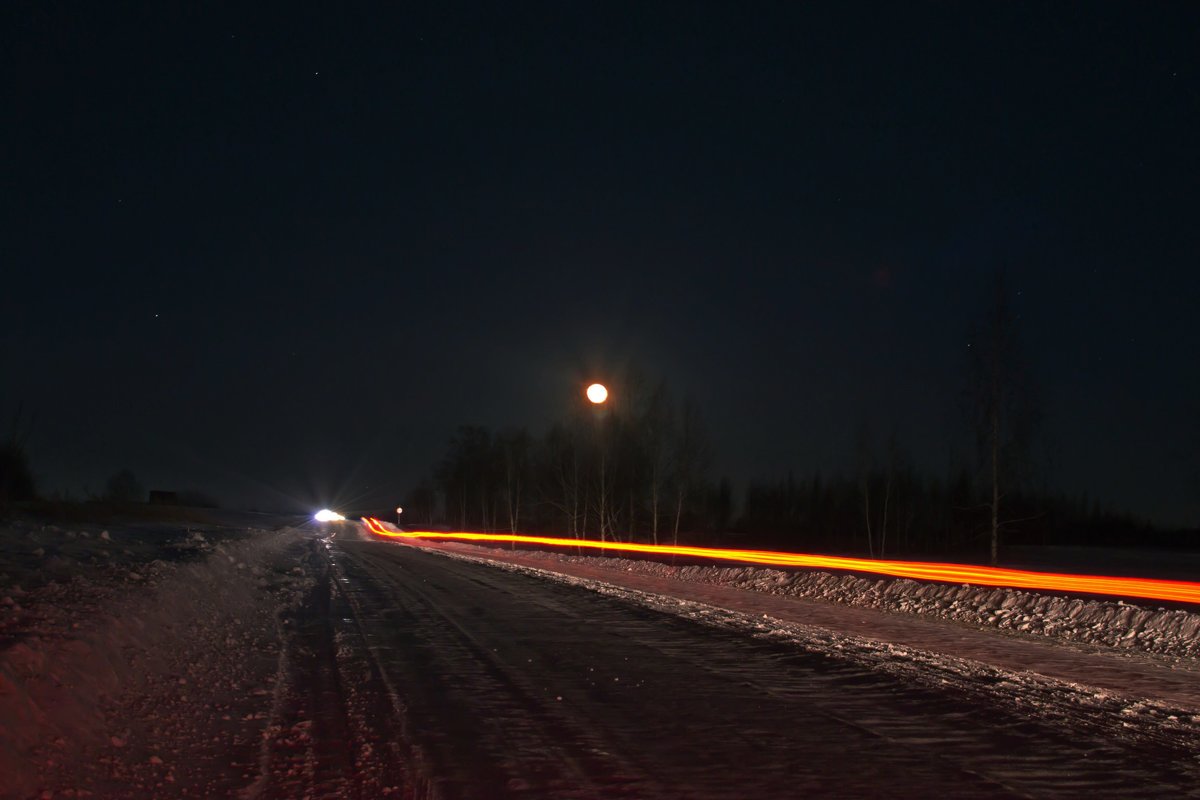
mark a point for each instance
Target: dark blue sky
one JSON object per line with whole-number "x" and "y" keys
{"x": 271, "y": 252}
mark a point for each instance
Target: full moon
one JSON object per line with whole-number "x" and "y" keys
{"x": 597, "y": 393}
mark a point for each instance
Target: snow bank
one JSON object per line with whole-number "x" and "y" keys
{"x": 1162, "y": 631}
{"x": 93, "y": 625}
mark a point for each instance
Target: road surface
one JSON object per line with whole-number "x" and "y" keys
{"x": 439, "y": 677}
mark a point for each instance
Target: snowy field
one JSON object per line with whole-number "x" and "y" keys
{"x": 182, "y": 619}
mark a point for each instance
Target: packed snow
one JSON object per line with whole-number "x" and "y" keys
{"x": 1172, "y": 632}
{"x": 1170, "y": 718}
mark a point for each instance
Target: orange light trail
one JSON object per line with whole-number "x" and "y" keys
{"x": 1146, "y": 588}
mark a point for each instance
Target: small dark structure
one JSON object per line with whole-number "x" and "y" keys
{"x": 160, "y": 498}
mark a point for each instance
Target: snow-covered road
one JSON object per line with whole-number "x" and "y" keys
{"x": 515, "y": 685}
{"x": 764, "y": 601}
{"x": 296, "y": 663}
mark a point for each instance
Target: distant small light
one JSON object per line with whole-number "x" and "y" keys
{"x": 325, "y": 515}
{"x": 399, "y": 510}
{"x": 597, "y": 393}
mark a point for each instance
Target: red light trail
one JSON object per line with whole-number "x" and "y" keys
{"x": 1146, "y": 588}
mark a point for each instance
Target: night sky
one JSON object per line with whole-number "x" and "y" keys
{"x": 279, "y": 254}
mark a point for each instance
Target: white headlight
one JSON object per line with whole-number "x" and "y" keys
{"x": 325, "y": 515}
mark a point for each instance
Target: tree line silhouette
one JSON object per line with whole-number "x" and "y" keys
{"x": 640, "y": 468}
{"x": 647, "y": 477}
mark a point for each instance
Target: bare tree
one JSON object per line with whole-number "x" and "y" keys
{"x": 562, "y": 476}
{"x": 123, "y": 487}
{"x": 604, "y": 486}
{"x": 691, "y": 459}
{"x": 16, "y": 476}
{"x": 889, "y": 482}
{"x": 658, "y": 432}
{"x": 1003, "y": 417}
{"x": 421, "y": 504}
{"x": 468, "y": 477}
{"x": 514, "y": 449}
{"x": 878, "y": 482}
{"x": 866, "y": 470}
